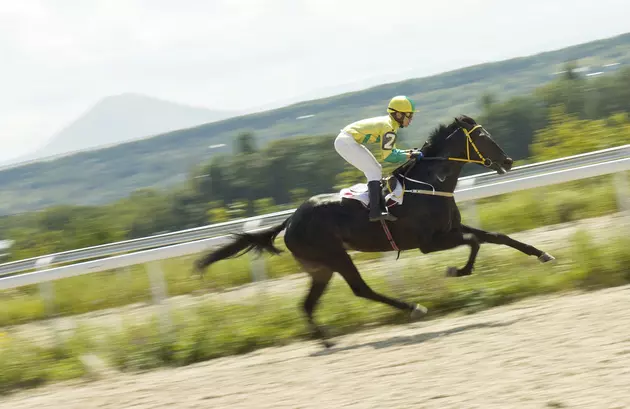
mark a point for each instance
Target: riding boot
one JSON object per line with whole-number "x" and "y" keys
{"x": 377, "y": 212}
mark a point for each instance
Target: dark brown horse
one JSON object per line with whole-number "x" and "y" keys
{"x": 324, "y": 227}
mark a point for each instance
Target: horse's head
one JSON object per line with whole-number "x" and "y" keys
{"x": 466, "y": 141}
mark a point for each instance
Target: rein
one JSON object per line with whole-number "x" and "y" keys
{"x": 469, "y": 142}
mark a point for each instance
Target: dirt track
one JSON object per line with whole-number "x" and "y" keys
{"x": 571, "y": 351}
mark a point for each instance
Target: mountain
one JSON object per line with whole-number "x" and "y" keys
{"x": 123, "y": 118}
{"x": 104, "y": 175}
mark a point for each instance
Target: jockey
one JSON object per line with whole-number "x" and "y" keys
{"x": 381, "y": 130}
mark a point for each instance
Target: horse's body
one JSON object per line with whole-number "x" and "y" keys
{"x": 324, "y": 227}
{"x": 342, "y": 222}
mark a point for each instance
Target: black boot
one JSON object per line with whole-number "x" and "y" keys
{"x": 377, "y": 212}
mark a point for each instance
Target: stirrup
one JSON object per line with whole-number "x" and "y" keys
{"x": 384, "y": 216}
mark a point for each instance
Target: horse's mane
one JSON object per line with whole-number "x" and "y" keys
{"x": 438, "y": 136}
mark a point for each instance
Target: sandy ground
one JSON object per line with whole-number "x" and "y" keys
{"x": 554, "y": 352}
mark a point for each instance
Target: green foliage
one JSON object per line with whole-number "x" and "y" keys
{"x": 298, "y": 195}
{"x": 548, "y": 205}
{"x": 26, "y": 365}
{"x": 245, "y": 143}
{"x": 516, "y": 122}
{"x": 513, "y": 124}
{"x": 217, "y": 213}
{"x": 264, "y": 205}
{"x": 568, "y": 135}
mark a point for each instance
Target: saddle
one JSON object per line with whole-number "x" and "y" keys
{"x": 391, "y": 191}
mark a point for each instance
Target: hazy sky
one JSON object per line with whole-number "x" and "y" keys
{"x": 58, "y": 58}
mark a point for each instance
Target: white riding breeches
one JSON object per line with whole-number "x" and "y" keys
{"x": 358, "y": 156}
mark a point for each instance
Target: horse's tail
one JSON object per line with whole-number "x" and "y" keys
{"x": 245, "y": 242}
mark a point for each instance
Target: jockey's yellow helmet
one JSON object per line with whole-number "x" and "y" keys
{"x": 402, "y": 104}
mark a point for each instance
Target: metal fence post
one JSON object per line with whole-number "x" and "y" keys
{"x": 46, "y": 289}
{"x": 622, "y": 191}
{"x": 258, "y": 267}
{"x": 124, "y": 278}
{"x": 469, "y": 207}
{"x": 47, "y": 292}
{"x": 158, "y": 289}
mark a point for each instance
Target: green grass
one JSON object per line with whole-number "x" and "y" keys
{"x": 548, "y": 205}
{"x": 213, "y": 329}
{"x": 110, "y": 289}
{"x": 517, "y": 211}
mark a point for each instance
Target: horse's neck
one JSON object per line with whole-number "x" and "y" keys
{"x": 442, "y": 176}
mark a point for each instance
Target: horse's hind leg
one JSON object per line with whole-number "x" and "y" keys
{"x": 500, "y": 238}
{"x": 342, "y": 263}
{"x": 320, "y": 277}
{"x": 450, "y": 240}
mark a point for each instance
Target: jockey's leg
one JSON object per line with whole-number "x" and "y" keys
{"x": 361, "y": 158}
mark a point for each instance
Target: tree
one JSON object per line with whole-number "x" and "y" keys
{"x": 486, "y": 101}
{"x": 608, "y": 95}
{"x": 237, "y": 209}
{"x": 570, "y": 91}
{"x": 513, "y": 123}
{"x": 298, "y": 195}
{"x": 568, "y": 135}
{"x": 217, "y": 212}
{"x": 570, "y": 71}
{"x": 264, "y": 205}
{"x": 245, "y": 143}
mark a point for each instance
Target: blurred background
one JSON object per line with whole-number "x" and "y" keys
{"x": 128, "y": 120}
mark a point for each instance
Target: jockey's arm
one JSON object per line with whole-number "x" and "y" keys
{"x": 389, "y": 151}
{"x": 396, "y": 156}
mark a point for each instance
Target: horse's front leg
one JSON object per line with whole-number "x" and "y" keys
{"x": 450, "y": 241}
{"x": 500, "y": 238}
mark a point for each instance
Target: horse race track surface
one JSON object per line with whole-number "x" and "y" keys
{"x": 562, "y": 351}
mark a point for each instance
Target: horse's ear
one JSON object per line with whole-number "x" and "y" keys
{"x": 468, "y": 120}
{"x": 465, "y": 122}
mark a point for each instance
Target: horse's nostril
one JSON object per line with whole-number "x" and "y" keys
{"x": 508, "y": 161}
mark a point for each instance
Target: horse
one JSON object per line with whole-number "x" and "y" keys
{"x": 324, "y": 227}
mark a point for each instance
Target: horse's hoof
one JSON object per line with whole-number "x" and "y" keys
{"x": 327, "y": 344}
{"x": 545, "y": 257}
{"x": 197, "y": 269}
{"x": 418, "y": 312}
{"x": 452, "y": 272}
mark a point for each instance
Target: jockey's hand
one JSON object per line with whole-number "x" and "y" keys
{"x": 415, "y": 154}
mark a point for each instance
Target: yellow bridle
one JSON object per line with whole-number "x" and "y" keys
{"x": 469, "y": 142}
{"x": 483, "y": 161}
